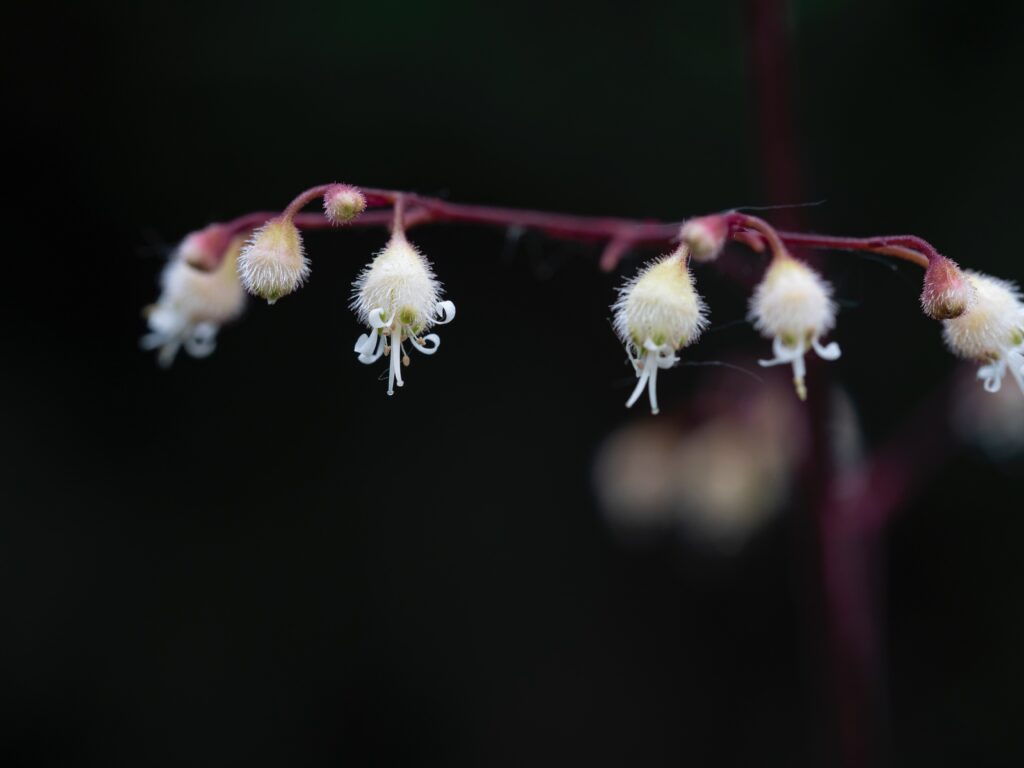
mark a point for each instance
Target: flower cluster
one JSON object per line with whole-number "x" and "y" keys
{"x": 658, "y": 312}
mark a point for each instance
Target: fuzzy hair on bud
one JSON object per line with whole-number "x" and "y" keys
{"x": 399, "y": 281}
{"x": 660, "y": 304}
{"x": 792, "y": 302}
{"x": 705, "y": 237}
{"x": 993, "y": 323}
{"x": 273, "y": 262}
{"x": 204, "y": 249}
{"x": 947, "y": 292}
{"x": 343, "y": 203}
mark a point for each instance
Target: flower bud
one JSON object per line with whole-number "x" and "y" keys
{"x": 273, "y": 263}
{"x": 947, "y": 292}
{"x": 705, "y": 237}
{"x": 660, "y": 305}
{"x": 204, "y": 249}
{"x": 343, "y": 203}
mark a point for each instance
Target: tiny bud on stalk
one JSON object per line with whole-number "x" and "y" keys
{"x": 705, "y": 237}
{"x": 273, "y": 263}
{"x": 947, "y": 292}
{"x": 343, "y": 203}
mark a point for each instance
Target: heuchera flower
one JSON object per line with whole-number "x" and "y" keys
{"x": 192, "y": 307}
{"x": 398, "y": 298}
{"x": 273, "y": 262}
{"x": 991, "y": 331}
{"x": 793, "y": 306}
{"x": 657, "y": 313}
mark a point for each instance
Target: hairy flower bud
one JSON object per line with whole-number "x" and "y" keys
{"x": 705, "y": 237}
{"x": 991, "y": 331}
{"x": 343, "y": 203}
{"x": 658, "y": 312}
{"x": 947, "y": 292}
{"x": 793, "y": 306}
{"x": 273, "y": 263}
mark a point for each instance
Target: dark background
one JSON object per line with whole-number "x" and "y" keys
{"x": 259, "y": 558}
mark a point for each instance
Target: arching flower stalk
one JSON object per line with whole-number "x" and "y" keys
{"x": 193, "y": 305}
{"x": 398, "y": 298}
{"x": 658, "y": 312}
{"x": 991, "y": 331}
{"x": 793, "y": 307}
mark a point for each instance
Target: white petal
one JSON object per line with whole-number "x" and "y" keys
{"x": 644, "y": 375}
{"x": 652, "y": 388}
{"x": 829, "y": 352}
{"x": 153, "y": 340}
{"x": 376, "y": 318}
{"x": 372, "y": 349}
{"x": 446, "y": 312}
{"x": 783, "y": 354}
{"x": 203, "y": 340}
{"x": 432, "y": 338}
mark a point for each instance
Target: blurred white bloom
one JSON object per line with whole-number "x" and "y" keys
{"x": 273, "y": 262}
{"x": 398, "y": 298}
{"x": 718, "y": 481}
{"x": 192, "y": 307}
{"x": 658, "y": 312}
{"x": 991, "y": 331}
{"x": 793, "y": 306}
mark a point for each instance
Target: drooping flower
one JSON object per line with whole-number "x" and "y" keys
{"x": 273, "y": 262}
{"x": 793, "y": 307}
{"x": 192, "y": 307}
{"x": 657, "y": 313}
{"x": 991, "y": 331}
{"x": 398, "y": 298}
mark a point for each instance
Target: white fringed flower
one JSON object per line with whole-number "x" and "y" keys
{"x": 658, "y": 312}
{"x": 398, "y": 298}
{"x": 991, "y": 331}
{"x": 793, "y": 306}
{"x": 192, "y": 307}
{"x": 273, "y": 262}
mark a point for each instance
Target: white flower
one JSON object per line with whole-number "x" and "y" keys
{"x": 192, "y": 307}
{"x": 398, "y": 298}
{"x": 991, "y": 331}
{"x": 793, "y": 306}
{"x": 273, "y": 262}
{"x": 657, "y": 313}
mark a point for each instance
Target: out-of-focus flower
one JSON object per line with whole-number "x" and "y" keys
{"x": 657, "y": 313}
{"x": 192, "y": 307}
{"x": 273, "y": 263}
{"x": 793, "y": 306}
{"x": 718, "y": 481}
{"x": 398, "y": 298}
{"x": 991, "y": 331}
